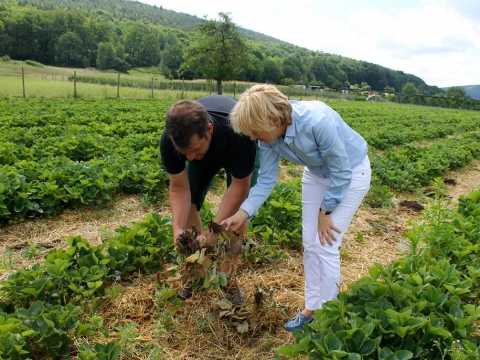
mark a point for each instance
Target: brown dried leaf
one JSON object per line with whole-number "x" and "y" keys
{"x": 224, "y": 313}
{"x": 243, "y": 327}
{"x": 224, "y": 304}
{"x": 233, "y": 246}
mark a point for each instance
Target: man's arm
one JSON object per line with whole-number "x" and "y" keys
{"x": 180, "y": 202}
{"x": 236, "y": 193}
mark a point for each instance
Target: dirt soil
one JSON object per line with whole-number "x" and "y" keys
{"x": 149, "y": 328}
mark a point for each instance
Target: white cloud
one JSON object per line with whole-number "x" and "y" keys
{"x": 436, "y": 40}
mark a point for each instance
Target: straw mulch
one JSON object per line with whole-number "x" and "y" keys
{"x": 148, "y": 327}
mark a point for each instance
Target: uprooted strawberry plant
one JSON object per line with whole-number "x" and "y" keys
{"x": 45, "y": 308}
{"x": 202, "y": 258}
{"x": 423, "y": 306}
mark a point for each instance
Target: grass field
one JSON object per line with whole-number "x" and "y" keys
{"x": 53, "y": 82}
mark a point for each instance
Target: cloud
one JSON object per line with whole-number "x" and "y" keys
{"x": 424, "y": 41}
{"x": 436, "y": 40}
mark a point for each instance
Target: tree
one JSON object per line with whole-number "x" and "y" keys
{"x": 409, "y": 89}
{"x": 389, "y": 89}
{"x": 109, "y": 57}
{"x": 375, "y": 76}
{"x": 253, "y": 70}
{"x": 272, "y": 70}
{"x": 171, "y": 60}
{"x": 456, "y": 92}
{"x": 105, "y": 56}
{"x": 318, "y": 69}
{"x": 141, "y": 45}
{"x": 217, "y": 50}
{"x": 69, "y": 50}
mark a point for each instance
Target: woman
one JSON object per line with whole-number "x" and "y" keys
{"x": 335, "y": 180}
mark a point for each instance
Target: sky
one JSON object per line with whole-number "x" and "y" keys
{"x": 436, "y": 40}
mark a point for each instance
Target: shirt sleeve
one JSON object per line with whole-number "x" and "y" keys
{"x": 332, "y": 149}
{"x": 267, "y": 179}
{"x": 243, "y": 157}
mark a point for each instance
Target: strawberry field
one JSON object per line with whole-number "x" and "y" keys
{"x": 64, "y": 155}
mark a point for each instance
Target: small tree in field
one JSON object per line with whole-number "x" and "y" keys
{"x": 456, "y": 92}
{"x": 217, "y": 50}
{"x": 410, "y": 89}
{"x": 389, "y": 89}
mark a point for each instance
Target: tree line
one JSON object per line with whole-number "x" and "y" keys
{"x": 120, "y": 35}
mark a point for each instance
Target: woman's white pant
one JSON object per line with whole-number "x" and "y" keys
{"x": 322, "y": 263}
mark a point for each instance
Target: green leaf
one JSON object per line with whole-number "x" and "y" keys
{"x": 28, "y": 333}
{"x": 35, "y": 308}
{"x": 403, "y": 354}
{"x": 84, "y": 330}
{"x": 456, "y": 311}
{"x": 368, "y": 347}
{"x": 113, "y": 350}
{"x": 332, "y": 342}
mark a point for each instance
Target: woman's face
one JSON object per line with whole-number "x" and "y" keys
{"x": 267, "y": 137}
{"x": 263, "y": 136}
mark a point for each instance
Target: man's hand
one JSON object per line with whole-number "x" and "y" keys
{"x": 211, "y": 238}
{"x": 326, "y": 229}
{"x": 234, "y": 222}
{"x": 176, "y": 236}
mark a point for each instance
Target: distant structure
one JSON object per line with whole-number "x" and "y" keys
{"x": 371, "y": 96}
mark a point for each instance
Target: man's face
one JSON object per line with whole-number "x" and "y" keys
{"x": 197, "y": 148}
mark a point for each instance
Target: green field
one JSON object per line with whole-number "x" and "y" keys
{"x": 59, "y": 154}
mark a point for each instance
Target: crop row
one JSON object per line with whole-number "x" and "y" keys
{"x": 422, "y": 306}
{"x": 58, "y": 154}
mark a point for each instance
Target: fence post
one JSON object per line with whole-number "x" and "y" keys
{"x": 234, "y": 88}
{"x": 23, "y": 82}
{"x": 75, "y": 84}
{"x": 118, "y": 86}
{"x": 152, "y": 87}
{"x": 183, "y": 87}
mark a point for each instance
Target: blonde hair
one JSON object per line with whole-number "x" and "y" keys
{"x": 261, "y": 109}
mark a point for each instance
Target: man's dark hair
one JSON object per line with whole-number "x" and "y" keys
{"x": 185, "y": 119}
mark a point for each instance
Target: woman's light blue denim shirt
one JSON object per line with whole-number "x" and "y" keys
{"x": 319, "y": 139}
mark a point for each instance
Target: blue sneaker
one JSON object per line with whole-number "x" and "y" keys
{"x": 297, "y": 322}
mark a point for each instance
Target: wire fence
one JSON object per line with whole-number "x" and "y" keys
{"x": 125, "y": 86}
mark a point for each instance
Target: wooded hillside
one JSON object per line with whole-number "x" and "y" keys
{"x": 120, "y": 34}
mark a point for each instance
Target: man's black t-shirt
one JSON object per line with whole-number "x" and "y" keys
{"x": 227, "y": 148}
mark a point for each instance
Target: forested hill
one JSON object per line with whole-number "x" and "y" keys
{"x": 120, "y": 34}
{"x": 134, "y": 10}
{"x": 473, "y": 91}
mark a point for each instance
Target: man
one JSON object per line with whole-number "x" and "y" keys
{"x": 196, "y": 144}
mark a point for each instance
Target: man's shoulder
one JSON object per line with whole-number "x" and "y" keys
{"x": 218, "y": 103}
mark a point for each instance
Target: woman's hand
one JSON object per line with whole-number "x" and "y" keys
{"x": 326, "y": 229}
{"x": 234, "y": 222}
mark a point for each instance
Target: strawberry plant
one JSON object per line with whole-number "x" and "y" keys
{"x": 423, "y": 306}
